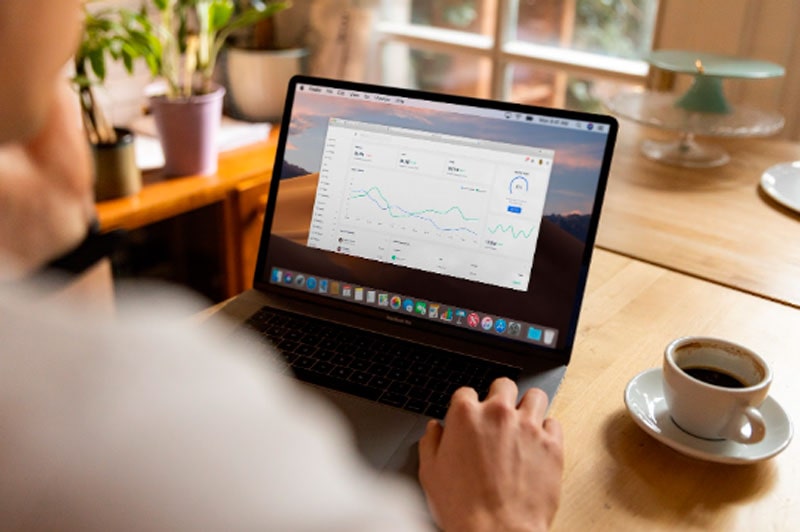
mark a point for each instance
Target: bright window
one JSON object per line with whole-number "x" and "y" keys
{"x": 565, "y": 53}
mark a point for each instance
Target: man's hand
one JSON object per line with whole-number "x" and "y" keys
{"x": 495, "y": 465}
{"x": 46, "y": 200}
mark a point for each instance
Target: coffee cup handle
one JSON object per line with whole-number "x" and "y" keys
{"x": 758, "y": 428}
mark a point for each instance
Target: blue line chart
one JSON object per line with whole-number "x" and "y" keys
{"x": 375, "y": 195}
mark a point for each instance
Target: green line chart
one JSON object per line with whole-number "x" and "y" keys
{"x": 515, "y": 233}
{"x": 435, "y": 217}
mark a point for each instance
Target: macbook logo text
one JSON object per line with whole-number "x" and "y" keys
{"x": 398, "y": 320}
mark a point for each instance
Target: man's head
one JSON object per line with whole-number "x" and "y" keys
{"x": 37, "y": 37}
{"x": 46, "y": 199}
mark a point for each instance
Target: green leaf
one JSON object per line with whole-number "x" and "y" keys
{"x": 97, "y": 60}
{"x": 220, "y": 13}
{"x": 82, "y": 81}
{"x": 127, "y": 60}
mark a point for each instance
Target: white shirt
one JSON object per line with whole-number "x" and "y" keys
{"x": 152, "y": 422}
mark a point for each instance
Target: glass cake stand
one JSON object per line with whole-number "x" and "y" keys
{"x": 702, "y": 110}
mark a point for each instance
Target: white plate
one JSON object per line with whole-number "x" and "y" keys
{"x": 644, "y": 398}
{"x": 782, "y": 183}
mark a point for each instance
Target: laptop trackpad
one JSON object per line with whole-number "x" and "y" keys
{"x": 386, "y": 437}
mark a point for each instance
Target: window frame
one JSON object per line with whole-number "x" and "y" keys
{"x": 503, "y": 49}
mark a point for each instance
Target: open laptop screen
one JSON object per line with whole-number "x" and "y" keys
{"x": 471, "y": 217}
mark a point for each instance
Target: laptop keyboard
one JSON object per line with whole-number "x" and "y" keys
{"x": 395, "y": 372}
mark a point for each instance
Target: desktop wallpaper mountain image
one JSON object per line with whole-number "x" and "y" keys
{"x": 289, "y": 170}
{"x": 575, "y": 224}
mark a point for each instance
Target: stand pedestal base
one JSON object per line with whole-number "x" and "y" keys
{"x": 685, "y": 152}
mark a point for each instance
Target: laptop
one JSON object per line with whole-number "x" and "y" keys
{"x": 417, "y": 242}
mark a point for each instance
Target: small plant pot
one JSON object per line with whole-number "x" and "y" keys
{"x": 257, "y": 81}
{"x": 188, "y": 129}
{"x": 115, "y": 170}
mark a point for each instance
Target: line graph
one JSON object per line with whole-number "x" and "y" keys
{"x": 515, "y": 234}
{"x": 437, "y": 218}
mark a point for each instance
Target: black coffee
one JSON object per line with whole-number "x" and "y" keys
{"x": 714, "y": 376}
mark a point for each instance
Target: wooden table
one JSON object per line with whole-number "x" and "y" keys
{"x": 712, "y": 223}
{"x": 716, "y": 257}
{"x": 164, "y": 197}
{"x": 619, "y": 478}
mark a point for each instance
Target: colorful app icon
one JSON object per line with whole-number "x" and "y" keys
{"x": 371, "y": 296}
{"x": 277, "y": 275}
{"x": 534, "y": 334}
{"x": 359, "y": 294}
{"x": 421, "y": 308}
{"x": 473, "y": 320}
{"x": 446, "y": 315}
{"x": 300, "y": 280}
{"x": 514, "y": 328}
{"x": 500, "y": 326}
{"x": 408, "y": 305}
{"x": 383, "y": 300}
{"x": 433, "y": 310}
{"x": 461, "y": 316}
{"x": 323, "y": 286}
{"x": 288, "y": 277}
{"x": 335, "y": 288}
{"x": 347, "y": 290}
{"x": 311, "y": 283}
{"x": 486, "y": 323}
{"x": 395, "y": 302}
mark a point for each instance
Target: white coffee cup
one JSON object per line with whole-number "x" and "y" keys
{"x": 721, "y": 400}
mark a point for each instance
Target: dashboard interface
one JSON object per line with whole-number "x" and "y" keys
{"x": 444, "y": 204}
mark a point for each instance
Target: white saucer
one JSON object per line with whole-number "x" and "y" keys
{"x": 782, "y": 183}
{"x": 645, "y": 401}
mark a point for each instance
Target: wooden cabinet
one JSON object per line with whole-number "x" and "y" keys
{"x": 249, "y": 201}
{"x": 229, "y": 204}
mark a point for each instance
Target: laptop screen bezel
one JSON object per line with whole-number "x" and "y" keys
{"x": 516, "y": 349}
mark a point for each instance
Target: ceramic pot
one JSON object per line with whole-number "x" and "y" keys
{"x": 115, "y": 170}
{"x": 188, "y": 129}
{"x": 257, "y": 81}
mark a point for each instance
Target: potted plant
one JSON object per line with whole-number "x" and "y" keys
{"x": 119, "y": 35}
{"x": 258, "y": 65}
{"x": 191, "y": 35}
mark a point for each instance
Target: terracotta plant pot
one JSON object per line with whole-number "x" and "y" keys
{"x": 188, "y": 130}
{"x": 115, "y": 170}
